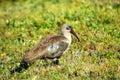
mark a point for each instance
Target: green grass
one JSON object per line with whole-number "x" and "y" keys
{"x": 97, "y": 23}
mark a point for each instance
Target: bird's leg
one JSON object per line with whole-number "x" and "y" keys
{"x": 55, "y": 61}
{"x": 46, "y": 62}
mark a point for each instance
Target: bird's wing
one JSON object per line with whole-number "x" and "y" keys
{"x": 55, "y": 50}
{"x": 43, "y": 48}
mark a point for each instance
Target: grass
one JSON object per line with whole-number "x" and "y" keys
{"x": 97, "y": 23}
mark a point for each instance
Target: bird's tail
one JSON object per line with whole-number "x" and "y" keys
{"x": 23, "y": 65}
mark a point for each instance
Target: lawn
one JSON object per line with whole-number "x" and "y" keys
{"x": 23, "y": 23}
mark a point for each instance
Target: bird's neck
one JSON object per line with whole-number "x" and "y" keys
{"x": 68, "y": 36}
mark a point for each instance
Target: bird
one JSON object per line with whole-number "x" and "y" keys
{"x": 52, "y": 47}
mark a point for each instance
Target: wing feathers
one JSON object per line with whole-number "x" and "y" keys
{"x": 62, "y": 47}
{"x": 40, "y": 50}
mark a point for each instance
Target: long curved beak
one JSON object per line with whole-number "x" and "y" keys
{"x": 72, "y": 31}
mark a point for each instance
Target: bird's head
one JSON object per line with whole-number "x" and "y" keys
{"x": 66, "y": 28}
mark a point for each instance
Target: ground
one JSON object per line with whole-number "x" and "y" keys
{"x": 97, "y": 22}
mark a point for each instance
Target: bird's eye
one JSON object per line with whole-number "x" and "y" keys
{"x": 68, "y": 28}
